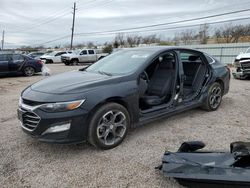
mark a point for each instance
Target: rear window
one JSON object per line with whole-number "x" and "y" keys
{"x": 84, "y": 52}
{"x": 17, "y": 57}
{"x": 190, "y": 57}
{"x": 4, "y": 57}
{"x": 209, "y": 59}
{"x": 91, "y": 51}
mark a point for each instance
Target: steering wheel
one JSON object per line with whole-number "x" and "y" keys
{"x": 144, "y": 76}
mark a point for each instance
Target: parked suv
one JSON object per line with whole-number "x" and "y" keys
{"x": 242, "y": 65}
{"x": 17, "y": 63}
{"x": 82, "y": 56}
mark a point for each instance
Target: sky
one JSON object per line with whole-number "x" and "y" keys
{"x": 37, "y": 22}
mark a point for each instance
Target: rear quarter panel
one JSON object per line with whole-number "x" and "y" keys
{"x": 222, "y": 75}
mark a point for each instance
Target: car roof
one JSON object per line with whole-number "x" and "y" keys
{"x": 158, "y": 48}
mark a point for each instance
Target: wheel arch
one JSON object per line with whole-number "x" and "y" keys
{"x": 73, "y": 59}
{"x": 118, "y": 100}
{"x": 220, "y": 81}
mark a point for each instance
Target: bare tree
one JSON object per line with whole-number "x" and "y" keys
{"x": 150, "y": 39}
{"x": 131, "y": 40}
{"x": 232, "y": 33}
{"x": 176, "y": 39}
{"x": 187, "y": 36}
{"x": 91, "y": 45}
{"x": 203, "y": 33}
{"x": 119, "y": 40}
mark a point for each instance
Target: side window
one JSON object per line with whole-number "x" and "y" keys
{"x": 84, "y": 52}
{"x": 91, "y": 52}
{"x": 209, "y": 59}
{"x": 17, "y": 57}
{"x": 5, "y": 57}
{"x": 2, "y": 58}
{"x": 189, "y": 57}
{"x": 60, "y": 53}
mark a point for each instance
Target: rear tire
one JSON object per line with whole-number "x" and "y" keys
{"x": 214, "y": 97}
{"x": 108, "y": 126}
{"x": 29, "y": 71}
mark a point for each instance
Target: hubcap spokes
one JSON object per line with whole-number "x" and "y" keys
{"x": 29, "y": 71}
{"x": 215, "y": 97}
{"x": 111, "y": 127}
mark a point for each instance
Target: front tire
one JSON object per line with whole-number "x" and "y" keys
{"x": 74, "y": 62}
{"x": 29, "y": 71}
{"x": 108, "y": 126}
{"x": 214, "y": 97}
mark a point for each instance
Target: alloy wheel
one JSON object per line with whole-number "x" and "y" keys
{"x": 111, "y": 127}
{"x": 29, "y": 71}
{"x": 215, "y": 97}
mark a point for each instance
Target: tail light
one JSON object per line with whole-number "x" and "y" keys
{"x": 40, "y": 61}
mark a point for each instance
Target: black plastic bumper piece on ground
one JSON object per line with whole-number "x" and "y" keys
{"x": 199, "y": 168}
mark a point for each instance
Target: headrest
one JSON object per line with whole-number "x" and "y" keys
{"x": 193, "y": 58}
{"x": 168, "y": 61}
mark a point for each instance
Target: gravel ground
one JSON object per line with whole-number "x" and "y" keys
{"x": 25, "y": 162}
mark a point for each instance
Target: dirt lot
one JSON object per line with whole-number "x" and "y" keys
{"x": 25, "y": 162}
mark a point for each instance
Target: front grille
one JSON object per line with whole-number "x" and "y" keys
{"x": 29, "y": 119}
{"x": 245, "y": 65}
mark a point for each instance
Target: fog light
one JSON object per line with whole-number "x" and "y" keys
{"x": 58, "y": 127}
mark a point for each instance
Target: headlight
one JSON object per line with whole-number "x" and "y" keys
{"x": 61, "y": 106}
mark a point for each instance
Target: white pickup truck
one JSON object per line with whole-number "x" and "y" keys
{"x": 82, "y": 56}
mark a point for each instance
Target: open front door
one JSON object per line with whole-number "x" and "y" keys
{"x": 161, "y": 76}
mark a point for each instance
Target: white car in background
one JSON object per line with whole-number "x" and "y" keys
{"x": 54, "y": 57}
{"x": 82, "y": 56}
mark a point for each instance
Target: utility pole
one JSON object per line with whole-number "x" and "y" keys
{"x": 73, "y": 26}
{"x": 2, "y": 40}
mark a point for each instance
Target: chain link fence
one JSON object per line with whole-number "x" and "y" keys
{"x": 225, "y": 53}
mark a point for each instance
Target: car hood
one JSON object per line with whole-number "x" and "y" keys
{"x": 73, "y": 82}
{"x": 46, "y": 56}
{"x": 245, "y": 55}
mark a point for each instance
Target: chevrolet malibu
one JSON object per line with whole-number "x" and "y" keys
{"x": 100, "y": 103}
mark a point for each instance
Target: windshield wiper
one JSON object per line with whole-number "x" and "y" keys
{"x": 106, "y": 73}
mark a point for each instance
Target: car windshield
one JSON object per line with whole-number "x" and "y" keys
{"x": 122, "y": 62}
{"x": 248, "y": 50}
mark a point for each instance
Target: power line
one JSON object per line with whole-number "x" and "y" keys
{"x": 54, "y": 16}
{"x": 153, "y": 25}
{"x": 169, "y": 23}
{"x": 149, "y": 30}
{"x": 170, "y": 28}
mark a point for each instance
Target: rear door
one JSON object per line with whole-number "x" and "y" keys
{"x": 83, "y": 56}
{"x": 4, "y": 63}
{"x": 16, "y": 63}
{"x": 92, "y": 56}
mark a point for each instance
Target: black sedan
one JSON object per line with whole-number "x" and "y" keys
{"x": 100, "y": 103}
{"x": 19, "y": 64}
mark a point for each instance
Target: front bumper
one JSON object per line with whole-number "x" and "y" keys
{"x": 43, "y": 121}
{"x": 241, "y": 74}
